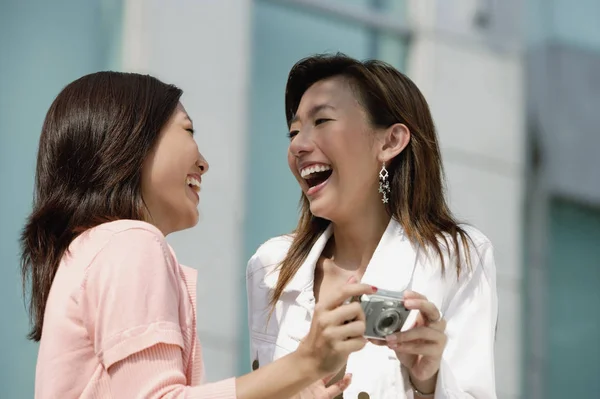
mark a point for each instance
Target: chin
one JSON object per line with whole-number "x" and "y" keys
{"x": 190, "y": 221}
{"x": 321, "y": 209}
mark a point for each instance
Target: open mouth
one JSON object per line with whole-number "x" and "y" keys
{"x": 193, "y": 183}
{"x": 315, "y": 175}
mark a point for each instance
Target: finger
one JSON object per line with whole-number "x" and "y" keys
{"x": 339, "y": 387}
{"x": 420, "y": 348}
{"x": 348, "y": 291}
{"x": 378, "y": 342}
{"x": 328, "y": 378}
{"x": 427, "y": 309}
{"x": 348, "y": 331}
{"x": 408, "y": 294}
{"x": 419, "y": 333}
{"x": 345, "y": 313}
{"x": 350, "y": 345}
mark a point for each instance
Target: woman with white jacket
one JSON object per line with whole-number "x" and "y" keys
{"x": 364, "y": 150}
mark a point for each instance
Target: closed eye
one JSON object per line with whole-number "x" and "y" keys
{"x": 292, "y": 134}
{"x": 191, "y": 131}
{"x": 321, "y": 120}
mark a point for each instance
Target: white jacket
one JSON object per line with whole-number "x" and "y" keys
{"x": 469, "y": 305}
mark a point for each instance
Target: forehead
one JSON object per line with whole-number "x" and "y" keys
{"x": 335, "y": 91}
{"x": 181, "y": 114}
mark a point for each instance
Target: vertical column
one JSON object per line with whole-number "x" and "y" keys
{"x": 475, "y": 88}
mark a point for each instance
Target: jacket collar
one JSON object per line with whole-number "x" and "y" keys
{"x": 390, "y": 268}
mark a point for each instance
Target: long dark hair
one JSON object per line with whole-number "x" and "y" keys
{"x": 94, "y": 140}
{"x": 416, "y": 174}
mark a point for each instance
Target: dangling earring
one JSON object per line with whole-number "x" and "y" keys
{"x": 384, "y": 184}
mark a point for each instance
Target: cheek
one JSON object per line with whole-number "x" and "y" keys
{"x": 357, "y": 163}
{"x": 149, "y": 177}
{"x": 292, "y": 164}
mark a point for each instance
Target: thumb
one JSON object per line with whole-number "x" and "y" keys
{"x": 336, "y": 389}
{"x": 328, "y": 378}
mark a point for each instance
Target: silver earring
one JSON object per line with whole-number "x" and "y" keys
{"x": 384, "y": 184}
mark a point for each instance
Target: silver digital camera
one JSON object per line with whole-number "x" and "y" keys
{"x": 385, "y": 313}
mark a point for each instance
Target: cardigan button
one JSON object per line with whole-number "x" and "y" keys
{"x": 255, "y": 364}
{"x": 363, "y": 395}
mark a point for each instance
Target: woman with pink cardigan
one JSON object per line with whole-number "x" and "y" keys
{"x": 118, "y": 169}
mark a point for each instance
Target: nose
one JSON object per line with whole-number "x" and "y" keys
{"x": 301, "y": 144}
{"x": 202, "y": 164}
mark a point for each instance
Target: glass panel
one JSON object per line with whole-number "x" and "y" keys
{"x": 573, "y": 351}
{"x": 565, "y": 21}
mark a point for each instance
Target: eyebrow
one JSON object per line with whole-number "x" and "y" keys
{"x": 312, "y": 111}
{"x": 186, "y": 116}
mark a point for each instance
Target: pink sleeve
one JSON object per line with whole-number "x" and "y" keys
{"x": 130, "y": 296}
{"x": 156, "y": 373}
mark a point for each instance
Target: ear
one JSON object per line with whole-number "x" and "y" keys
{"x": 394, "y": 141}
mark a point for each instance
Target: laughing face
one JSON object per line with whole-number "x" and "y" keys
{"x": 172, "y": 174}
{"x": 333, "y": 152}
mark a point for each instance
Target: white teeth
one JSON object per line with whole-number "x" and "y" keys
{"x": 313, "y": 169}
{"x": 192, "y": 181}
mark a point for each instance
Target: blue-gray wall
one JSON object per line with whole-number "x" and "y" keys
{"x": 569, "y": 364}
{"x": 44, "y": 46}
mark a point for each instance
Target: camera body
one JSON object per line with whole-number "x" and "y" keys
{"x": 385, "y": 313}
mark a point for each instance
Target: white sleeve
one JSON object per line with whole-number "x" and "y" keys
{"x": 467, "y": 368}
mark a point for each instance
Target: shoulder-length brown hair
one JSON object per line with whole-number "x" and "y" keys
{"x": 416, "y": 174}
{"x": 94, "y": 140}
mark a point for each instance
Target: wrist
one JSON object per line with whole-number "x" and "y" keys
{"x": 307, "y": 365}
{"x": 423, "y": 388}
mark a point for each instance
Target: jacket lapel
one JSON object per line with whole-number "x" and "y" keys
{"x": 391, "y": 268}
{"x": 393, "y": 262}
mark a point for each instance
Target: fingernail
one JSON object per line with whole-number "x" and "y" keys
{"x": 374, "y": 288}
{"x": 391, "y": 339}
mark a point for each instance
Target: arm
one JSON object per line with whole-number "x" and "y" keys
{"x": 467, "y": 368}
{"x": 157, "y": 372}
{"x": 453, "y": 355}
{"x": 131, "y": 300}
{"x": 286, "y": 366}
{"x": 131, "y": 309}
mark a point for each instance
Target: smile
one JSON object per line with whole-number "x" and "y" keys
{"x": 193, "y": 183}
{"x": 316, "y": 176}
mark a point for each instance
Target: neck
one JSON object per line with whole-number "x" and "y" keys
{"x": 355, "y": 240}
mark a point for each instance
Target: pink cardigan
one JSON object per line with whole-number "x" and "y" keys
{"x": 120, "y": 321}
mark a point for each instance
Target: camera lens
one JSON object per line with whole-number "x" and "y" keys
{"x": 388, "y": 322}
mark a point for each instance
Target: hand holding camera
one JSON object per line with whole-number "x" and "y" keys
{"x": 332, "y": 338}
{"x": 419, "y": 343}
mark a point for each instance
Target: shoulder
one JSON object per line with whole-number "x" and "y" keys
{"x": 474, "y": 241}
{"x": 130, "y": 235}
{"x": 475, "y": 252}
{"x": 476, "y": 257}
{"x": 136, "y": 244}
{"x": 480, "y": 248}
{"x": 130, "y": 228}
{"x": 476, "y": 237}
{"x": 269, "y": 254}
